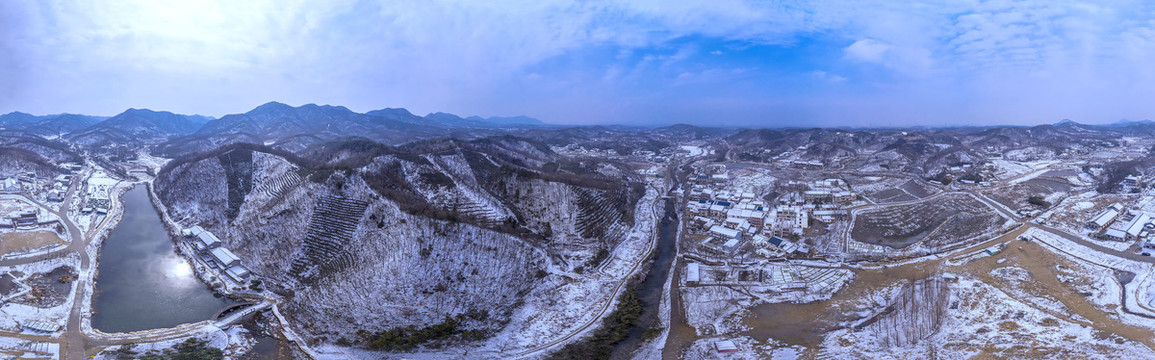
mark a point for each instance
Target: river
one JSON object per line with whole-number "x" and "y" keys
{"x": 650, "y": 290}
{"x": 141, "y": 282}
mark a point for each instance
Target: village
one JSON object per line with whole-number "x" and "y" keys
{"x": 51, "y": 224}
{"x": 760, "y": 236}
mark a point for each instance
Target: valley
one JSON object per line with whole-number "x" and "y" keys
{"x": 395, "y": 236}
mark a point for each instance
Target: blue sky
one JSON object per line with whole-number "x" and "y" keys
{"x": 724, "y": 62}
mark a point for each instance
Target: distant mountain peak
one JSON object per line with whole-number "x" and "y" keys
{"x": 397, "y": 111}
{"x": 1126, "y": 122}
{"x": 1066, "y": 122}
{"x": 513, "y": 120}
{"x": 271, "y": 106}
{"x": 442, "y": 115}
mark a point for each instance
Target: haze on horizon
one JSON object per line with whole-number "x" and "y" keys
{"x": 720, "y": 63}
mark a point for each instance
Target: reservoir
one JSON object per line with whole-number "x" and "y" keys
{"x": 141, "y": 283}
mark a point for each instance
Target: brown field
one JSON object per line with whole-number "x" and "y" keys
{"x": 20, "y": 241}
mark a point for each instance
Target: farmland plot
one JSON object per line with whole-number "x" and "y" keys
{"x": 902, "y": 226}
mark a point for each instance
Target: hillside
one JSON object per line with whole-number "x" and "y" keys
{"x": 428, "y": 230}
{"x": 135, "y": 127}
{"x": 296, "y": 128}
{"x": 47, "y": 125}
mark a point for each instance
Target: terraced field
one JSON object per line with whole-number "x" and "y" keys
{"x": 1015, "y": 196}
{"x": 334, "y": 221}
{"x": 900, "y": 226}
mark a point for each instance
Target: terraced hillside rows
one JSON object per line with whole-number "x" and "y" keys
{"x": 276, "y": 186}
{"x": 362, "y": 236}
{"x": 597, "y": 213}
{"x": 900, "y": 226}
{"x": 331, "y": 228}
{"x": 962, "y": 226}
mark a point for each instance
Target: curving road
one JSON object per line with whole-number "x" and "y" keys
{"x": 77, "y": 344}
{"x": 606, "y": 307}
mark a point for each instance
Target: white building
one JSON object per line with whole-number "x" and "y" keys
{"x": 10, "y": 186}
{"x": 1115, "y": 234}
{"x": 237, "y": 272}
{"x": 203, "y": 239}
{"x": 725, "y": 232}
{"x": 1136, "y": 225}
{"x": 224, "y": 258}
{"x": 1103, "y": 219}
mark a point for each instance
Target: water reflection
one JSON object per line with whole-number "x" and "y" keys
{"x": 141, "y": 283}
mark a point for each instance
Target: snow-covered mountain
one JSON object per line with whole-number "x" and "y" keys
{"x": 365, "y": 236}
{"x": 47, "y": 125}
{"x": 295, "y": 128}
{"x": 135, "y": 126}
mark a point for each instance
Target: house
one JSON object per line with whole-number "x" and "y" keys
{"x": 725, "y": 232}
{"x": 692, "y": 273}
{"x": 223, "y": 258}
{"x": 717, "y": 210}
{"x": 736, "y": 223}
{"x": 41, "y": 326}
{"x": 829, "y": 216}
{"x": 26, "y": 218}
{"x": 40, "y": 347}
{"x": 817, "y": 195}
{"x": 238, "y": 273}
{"x": 845, "y": 196}
{"x": 806, "y": 164}
{"x": 55, "y": 196}
{"x": 203, "y": 239}
{"x": 725, "y": 346}
{"x": 1132, "y": 181}
{"x": 10, "y": 186}
{"x": 1136, "y": 226}
{"x": 1115, "y": 234}
{"x": 730, "y": 245}
{"x": 782, "y": 244}
{"x": 1103, "y": 219}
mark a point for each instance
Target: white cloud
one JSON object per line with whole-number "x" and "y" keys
{"x": 914, "y": 61}
{"x": 868, "y": 50}
{"x": 226, "y": 56}
{"x": 825, "y": 76}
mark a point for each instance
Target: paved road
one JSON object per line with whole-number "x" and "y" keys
{"x": 606, "y": 308}
{"x": 74, "y": 345}
{"x": 77, "y": 344}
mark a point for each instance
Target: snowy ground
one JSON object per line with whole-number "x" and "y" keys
{"x": 24, "y": 349}
{"x": 233, "y": 341}
{"x": 12, "y": 314}
{"x": 748, "y": 348}
{"x": 986, "y": 322}
{"x": 563, "y": 307}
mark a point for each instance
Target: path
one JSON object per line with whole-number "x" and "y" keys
{"x": 606, "y": 307}
{"x": 77, "y": 344}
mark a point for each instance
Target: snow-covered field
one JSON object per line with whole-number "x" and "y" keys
{"x": 233, "y": 342}
{"x": 12, "y": 314}
{"x": 983, "y": 321}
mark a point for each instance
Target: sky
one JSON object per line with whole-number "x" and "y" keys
{"x": 728, "y": 63}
